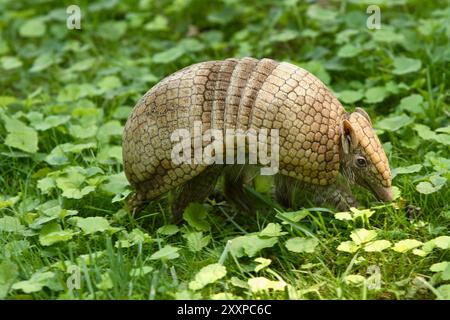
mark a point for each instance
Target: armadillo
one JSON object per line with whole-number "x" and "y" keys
{"x": 322, "y": 148}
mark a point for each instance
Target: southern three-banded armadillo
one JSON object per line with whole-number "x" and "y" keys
{"x": 321, "y": 147}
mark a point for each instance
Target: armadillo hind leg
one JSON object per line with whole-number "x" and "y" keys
{"x": 234, "y": 179}
{"x": 136, "y": 203}
{"x": 285, "y": 188}
{"x": 195, "y": 190}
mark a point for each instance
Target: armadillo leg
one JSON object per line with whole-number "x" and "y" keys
{"x": 135, "y": 203}
{"x": 234, "y": 191}
{"x": 284, "y": 190}
{"x": 338, "y": 195}
{"x": 195, "y": 190}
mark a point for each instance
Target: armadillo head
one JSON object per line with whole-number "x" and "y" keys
{"x": 363, "y": 159}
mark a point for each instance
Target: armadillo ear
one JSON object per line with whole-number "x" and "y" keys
{"x": 363, "y": 113}
{"x": 347, "y": 136}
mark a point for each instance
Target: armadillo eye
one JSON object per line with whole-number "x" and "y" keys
{"x": 361, "y": 162}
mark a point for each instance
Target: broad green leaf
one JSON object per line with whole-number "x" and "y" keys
{"x": 71, "y": 186}
{"x": 387, "y": 35}
{"x": 38, "y": 122}
{"x": 9, "y": 63}
{"x": 375, "y": 95}
{"x": 302, "y": 244}
{"x": 440, "y": 266}
{"x": 444, "y": 291}
{"x": 294, "y": 216}
{"x": 112, "y": 30}
{"x": 377, "y": 246}
{"x": 15, "y": 248}
{"x": 406, "y": 245}
{"x": 393, "y": 123}
{"x": 111, "y": 128}
{"x": 361, "y": 213}
{"x": 195, "y": 214}
{"x": 168, "y": 230}
{"x": 105, "y": 282}
{"x": 263, "y": 184}
{"x": 343, "y": 216}
{"x": 108, "y": 153}
{"x": 284, "y": 35}
{"x": 11, "y": 224}
{"x": 264, "y": 284}
{"x": 272, "y": 230}
{"x": 169, "y": 55}
{"x": 141, "y": 271}
{"x": 59, "y": 155}
{"x": 188, "y": 45}
{"x": 83, "y": 65}
{"x": 207, "y": 275}
{"x": 406, "y": 170}
{"x": 53, "y": 233}
{"x": 396, "y": 193}
{"x": 168, "y": 252}
{"x": 196, "y": 241}
{"x": 263, "y": 262}
{"x": 362, "y": 235}
{"x": 443, "y": 129}
{"x": 20, "y": 136}
{"x": 7, "y": 100}
{"x": 348, "y": 246}
{"x": 349, "y": 51}
{"x": 122, "y": 112}
{"x": 427, "y": 134}
{"x": 412, "y": 103}
{"x": 42, "y": 62}
{"x": 33, "y": 28}
{"x": 403, "y": 65}
{"x": 92, "y": 225}
{"x": 250, "y": 245}
{"x": 35, "y": 283}
{"x": 8, "y": 201}
{"x": 442, "y": 242}
{"x": 109, "y": 83}
{"x": 75, "y": 91}
{"x": 8, "y": 274}
{"x": 317, "y": 12}
{"x": 115, "y": 184}
{"x": 446, "y": 273}
{"x": 81, "y": 132}
{"x": 426, "y": 187}
{"x": 159, "y": 23}
{"x": 135, "y": 237}
{"x": 350, "y": 96}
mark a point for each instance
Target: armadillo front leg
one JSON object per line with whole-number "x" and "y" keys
{"x": 195, "y": 190}
{"x": 289, "y": 192}
{"x": 337, "y": 194}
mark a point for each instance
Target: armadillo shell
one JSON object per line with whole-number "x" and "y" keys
{"x": 234, "y": 94}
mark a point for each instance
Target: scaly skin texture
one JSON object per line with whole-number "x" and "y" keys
{"x": 318, "y": 139}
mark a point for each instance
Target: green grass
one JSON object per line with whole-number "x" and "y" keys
{"x": 62, "y": 188}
